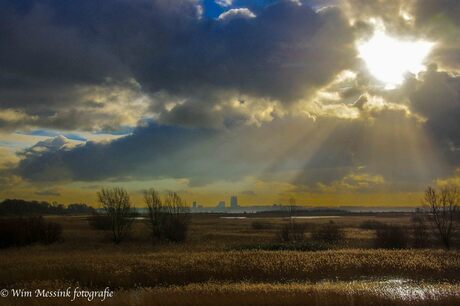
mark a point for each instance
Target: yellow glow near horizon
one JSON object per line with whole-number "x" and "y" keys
{"x": 388, "y": 59}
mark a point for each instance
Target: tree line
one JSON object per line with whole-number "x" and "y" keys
{"x": 23, "y": 208}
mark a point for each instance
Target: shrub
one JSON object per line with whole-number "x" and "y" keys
{"x": 100, "y": 222}
{"x": 421, "y": 234}
{"x": 262, "y": 225}
{"x": 168, "y": 219}
{"x": 371, "y": 225}
{"x": 292, "y": 232}
{"x": 52, "y": 233}
{"x": 11, "y": 207}
{"x": 391, "y": 237}
{"x": 329, "y": 233}
{"x": 25, "y": 231}
{"x": 175, "y": 229}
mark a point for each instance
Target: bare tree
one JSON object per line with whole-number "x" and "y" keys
{"x": 117, "y": 207}
{"x": 292, "y": 231}
{"x": 330, "y": 233}
{"x": 155, "y": 211}
{"x": 168, "y": 219}
{"x": 421, "y": 234}
{"x": 391, "y": 236}
{"x": 177, "y": 216}
{"x": 443, "y": 206}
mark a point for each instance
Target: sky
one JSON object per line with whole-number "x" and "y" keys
{"x": 353, "y": 102}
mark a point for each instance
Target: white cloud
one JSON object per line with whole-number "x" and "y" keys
{"x": 236, "y": 13}
{"x": 224, "y": 3}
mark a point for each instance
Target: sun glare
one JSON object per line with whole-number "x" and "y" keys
{"x": 388, "y": 59}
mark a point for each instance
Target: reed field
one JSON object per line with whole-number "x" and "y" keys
{"x": 99, "y": 269}
{"x": 211, "y": 268}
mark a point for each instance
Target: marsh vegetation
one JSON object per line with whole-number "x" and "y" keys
{"x": 171, "y": 257}
{"x": 219, "y": 258}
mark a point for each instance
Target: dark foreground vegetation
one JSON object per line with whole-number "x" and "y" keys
{"x": 25, "y": 208}
{"x": 21, "y": 231}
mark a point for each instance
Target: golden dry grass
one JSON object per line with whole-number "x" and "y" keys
{"x": 120, "y": 270}
{"x": 203, "y": 272}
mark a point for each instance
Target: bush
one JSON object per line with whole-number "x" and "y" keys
{"x": 52, "y": 233}
{"x": 168, "y": 219}
{"x": 174, "y": 229}
{"x": 292, "y": 232}
{"x": 371, "y": 225}
{"x": 391, "y": 237}
{"x": 11, "y": 207}
{"x": 100, "y": 222}
{"x": 25, "y": 231}
{"x": 329, "y": 233}
{"x": 261, "y": 225}
{"x": 421, "y": 234}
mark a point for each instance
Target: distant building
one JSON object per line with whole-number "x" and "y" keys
{"x": 194, "y": 205}
{"x": 221, "y": 205}
{"x": 233, "y": 202}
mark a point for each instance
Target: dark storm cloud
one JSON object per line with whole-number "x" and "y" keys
{"x": 437, "y": 98}
{"x": 137, "y": 154}
{"x": 50, "y": 50}
{"x": 151, "y": 152}
{"x": 430, "y": 11}
{"x": 42, "y": 61}
{"x": 283, "y": 53}
{"x": 323, "y": 152}
{"x": 441, "y": 20}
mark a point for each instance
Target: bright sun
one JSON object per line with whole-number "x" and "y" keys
{"x": 389, "y": 59}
